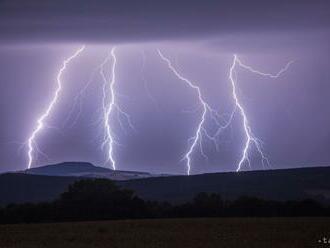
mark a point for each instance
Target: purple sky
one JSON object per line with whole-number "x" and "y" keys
{"x": 289, "y": 114}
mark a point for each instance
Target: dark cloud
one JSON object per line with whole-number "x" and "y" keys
{"x": 101, "y": 20}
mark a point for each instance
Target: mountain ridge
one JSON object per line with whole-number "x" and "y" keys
{"x": 280, "y": 185}
{"x": 85, "y": 169}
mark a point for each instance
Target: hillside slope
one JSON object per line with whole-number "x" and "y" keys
{"x": 82, "y": 169}
{"x": 285, "y": 184}
{"x": 21, "y": 188}
{"x": 289, "y": 184}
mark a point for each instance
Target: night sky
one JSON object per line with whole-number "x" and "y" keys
{"x": 290, "y": 114}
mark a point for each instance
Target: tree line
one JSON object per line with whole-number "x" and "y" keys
{"x": 102, "y": 199}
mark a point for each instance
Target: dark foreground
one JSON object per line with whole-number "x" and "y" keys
{"x": 220, "y": 232}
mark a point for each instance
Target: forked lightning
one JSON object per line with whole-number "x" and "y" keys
{"x": 31, "y": 143}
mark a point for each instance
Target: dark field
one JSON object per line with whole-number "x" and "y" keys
{"x": 230, "y": 232}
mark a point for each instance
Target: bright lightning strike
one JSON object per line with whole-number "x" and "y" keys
{"x": 197, "y": 139}
{"x": 110, "y": 107}
{"x": 198, "y": 134}
{"x": 251, "y": 139}
{"x": 32, "y": 145}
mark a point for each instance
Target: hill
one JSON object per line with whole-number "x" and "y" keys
{"x": 282, "y": 185}
{"x": 82, "y": 169}
{"x": 21, "y": 188}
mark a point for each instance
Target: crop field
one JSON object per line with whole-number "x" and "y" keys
{"x": 172, "y": 233}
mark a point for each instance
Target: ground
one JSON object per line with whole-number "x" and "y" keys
{"x": 183, "y": 233}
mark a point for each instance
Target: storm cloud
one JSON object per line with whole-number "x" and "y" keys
{"x": 290, "y": 114}
{"x": 125, "y": 21}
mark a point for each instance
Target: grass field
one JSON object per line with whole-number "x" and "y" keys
{"x": 172, "y": 233}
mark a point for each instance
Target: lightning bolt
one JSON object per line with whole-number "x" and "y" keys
{"x": 197, "y": 138}
{"x": 111, "y": 106}
{"x": 32, "y": 145}
{"x": 251, "y": 139}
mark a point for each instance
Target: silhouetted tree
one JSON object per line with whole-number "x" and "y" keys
{"x": 99, "y": 199}
{"x": 102, "y": 199}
